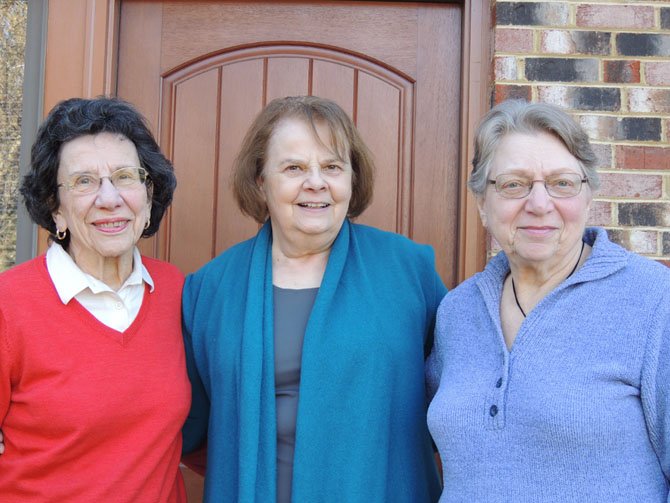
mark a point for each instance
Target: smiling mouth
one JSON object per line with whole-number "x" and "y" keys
{"x": 313, "y": 205}
{"x": 112, "y": 225}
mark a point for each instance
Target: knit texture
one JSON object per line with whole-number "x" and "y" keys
{"x": 361, "y": 432}
{"x": 578, "y": 410}
{"x": 90, "y": 414}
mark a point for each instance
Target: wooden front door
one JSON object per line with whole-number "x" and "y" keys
{"x": 200, "y": 72}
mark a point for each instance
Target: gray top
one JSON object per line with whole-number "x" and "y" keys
{"x": 291, "y": 312}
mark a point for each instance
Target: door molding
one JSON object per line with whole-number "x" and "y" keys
{"x": 83, "y": 63}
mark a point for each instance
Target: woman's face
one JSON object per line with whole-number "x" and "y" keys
{"x": 537, "y": 229}
{"x": 307, "y": 187}
{"x": 108, "y": 222}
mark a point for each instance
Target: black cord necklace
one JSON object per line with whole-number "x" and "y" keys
{"x": 571, "y": 273}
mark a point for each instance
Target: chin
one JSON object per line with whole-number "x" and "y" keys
{"x": 536, "y": 252}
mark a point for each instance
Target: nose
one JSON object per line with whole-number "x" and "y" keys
{"x": 539, "y": 200}
{"x": 315, "y": 180}
{"x": 107, "y": 196}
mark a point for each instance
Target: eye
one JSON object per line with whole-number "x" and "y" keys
{"x": 292, "y": 168}
{"x": 84, "y": 181}
{"x": 124, "y": 175}
{"x": 513, "y": 184}
{"x": 332, "y": 168}
{"x": 562, "y": 183}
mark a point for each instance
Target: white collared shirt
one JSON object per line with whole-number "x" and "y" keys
{"x": 116, "y": 309}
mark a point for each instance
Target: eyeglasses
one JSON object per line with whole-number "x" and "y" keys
{"x": 560, "y": 185}
{"x": 122, "y": 179}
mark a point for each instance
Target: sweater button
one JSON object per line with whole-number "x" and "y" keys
{"x": 493, "y": 411}
{"x": 499, "y": 383}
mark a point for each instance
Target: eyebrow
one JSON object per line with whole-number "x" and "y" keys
{"x": 302, "y": 161}
{"x": 553, "y": 172}
{"x": 88, "y": 171}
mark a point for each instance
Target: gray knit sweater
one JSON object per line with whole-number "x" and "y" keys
{"x": 579, "y": 409}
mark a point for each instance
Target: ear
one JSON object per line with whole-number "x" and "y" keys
{"x": 482, "y": 211}
{"x": 259, "y": 182}
{"x": 59, "y": 220}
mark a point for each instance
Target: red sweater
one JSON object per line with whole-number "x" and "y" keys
{"x": 90, "y": 414}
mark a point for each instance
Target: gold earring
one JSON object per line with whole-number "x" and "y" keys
{"x": 60, "y": 235}
{"x": 147, "y": 224}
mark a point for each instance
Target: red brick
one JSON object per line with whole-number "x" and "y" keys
{"x": 636, "y": 157}
{"x": 631, "y": 186}
{"x": 615, "y": 16}
{"x": 657, "y": 73}
{"x": 600, "y": 214}
{"x": 513, "y": 40}
{"x": 622, "y": 71}
{"x": 648, "y": 100}
{"x": 664, "y": 262}
{"x": 506, "y": 92}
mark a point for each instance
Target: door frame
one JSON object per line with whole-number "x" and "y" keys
{"x": 83, "y": 63}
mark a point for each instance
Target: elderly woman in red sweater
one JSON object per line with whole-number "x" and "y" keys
{"x": 93, "y": 386}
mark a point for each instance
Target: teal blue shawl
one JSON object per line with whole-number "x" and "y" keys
{"x": 361, "y": 430}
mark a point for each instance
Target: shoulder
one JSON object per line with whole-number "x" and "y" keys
{"x": 225, "y": 270}
{"x": 161, "y": 267}
{"x": 23, "y": 276}
{"x": 626, "y": 267}
{"x": 466, "y": 292}
{"x": 232, "y": 257}
{"x": 384, "y": 242}
{"x": 394, "y": 259}
{"x": 163, "y": 271}
{"x": 647, "y": 273}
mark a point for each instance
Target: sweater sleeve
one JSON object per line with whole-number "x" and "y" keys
{"x": 655, "y": 388}
{"x": 195, "y": 429}
{"x": 5, "y": 370}
{"x": 434, "y": 362}
{"x": 436, "y": 292}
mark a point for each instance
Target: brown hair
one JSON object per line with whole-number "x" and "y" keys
{"x": 249, "y": 163}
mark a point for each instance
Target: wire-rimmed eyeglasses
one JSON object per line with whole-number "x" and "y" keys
{"x": 126, "y": 178}
{"x": 560, "y": 185}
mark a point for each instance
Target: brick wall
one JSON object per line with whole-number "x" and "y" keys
{"x": 609, "y": 63}
{"x": 13, "y": 18}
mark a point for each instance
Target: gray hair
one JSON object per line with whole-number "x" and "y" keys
{"x": 517, "y": 116}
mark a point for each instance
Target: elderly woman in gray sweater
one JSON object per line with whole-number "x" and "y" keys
{"x": 550, "y": 374}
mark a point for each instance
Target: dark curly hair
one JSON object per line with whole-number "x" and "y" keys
{"x": 77, "y": 117}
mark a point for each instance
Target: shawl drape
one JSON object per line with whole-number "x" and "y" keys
{"x": 361, "y": 432}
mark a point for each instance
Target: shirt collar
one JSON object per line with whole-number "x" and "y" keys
{"x": 70, "y": 280}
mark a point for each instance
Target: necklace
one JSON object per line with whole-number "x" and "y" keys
{"x": 571, "y": 273}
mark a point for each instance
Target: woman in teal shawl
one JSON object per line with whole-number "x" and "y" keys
{"x": 305, "y": 344}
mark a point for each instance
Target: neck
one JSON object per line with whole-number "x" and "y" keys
{"x": 295, "y": 271}
{"x": 541, "y": 275}
{"x": 112, "y": 271}
{"x": 530, "y": 285}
